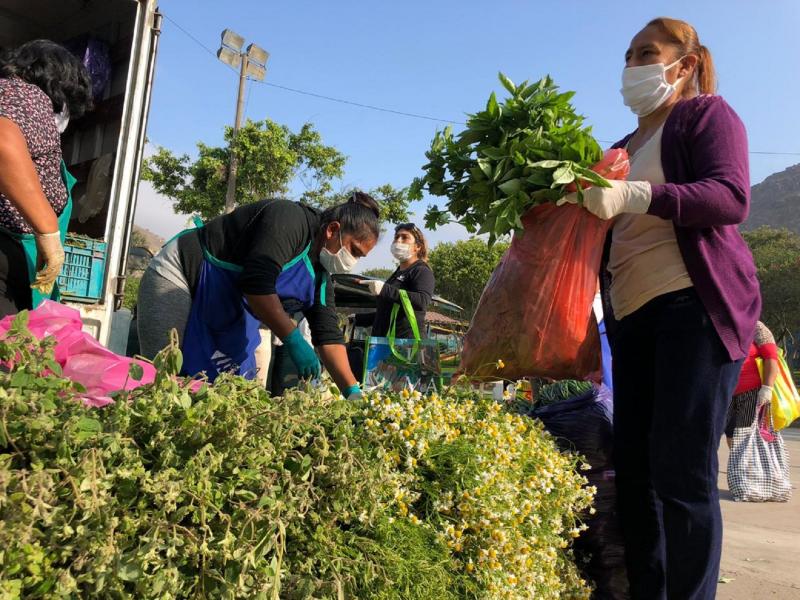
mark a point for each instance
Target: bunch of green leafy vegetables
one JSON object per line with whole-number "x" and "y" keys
{"x": 225, "y": 492}
{"x": 219, "y": 493}
{"x": 513, "y": 155}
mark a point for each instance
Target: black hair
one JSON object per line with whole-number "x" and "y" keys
{"x": 55, "y": 70}
{"x": 359, "y": 216}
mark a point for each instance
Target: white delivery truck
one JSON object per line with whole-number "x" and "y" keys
{"x": 118, "y": 41}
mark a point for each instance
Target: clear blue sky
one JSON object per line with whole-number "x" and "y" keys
{"x": 441, "y": 58}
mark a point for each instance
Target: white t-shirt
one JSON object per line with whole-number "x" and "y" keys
{"x": 645, "y": 260}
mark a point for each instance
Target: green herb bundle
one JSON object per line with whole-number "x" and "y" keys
{"x": 559, "y": 391}
{"x": 229, "y": 493}
{"x": 512, "y": 155}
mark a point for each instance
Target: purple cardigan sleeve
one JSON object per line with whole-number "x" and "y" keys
{"x": 720, "y": 192}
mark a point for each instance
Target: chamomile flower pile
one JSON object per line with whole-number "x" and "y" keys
{"x": 490, "y": 484}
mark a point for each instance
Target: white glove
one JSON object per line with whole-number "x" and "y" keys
{"x": 50, "y": 258}
{"x": 622, "y": 197}
{"x": 375, "y": 286}
{"x": 764, "y": 395}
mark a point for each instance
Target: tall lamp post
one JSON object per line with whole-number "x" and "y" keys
{"x": 252, "y": 63}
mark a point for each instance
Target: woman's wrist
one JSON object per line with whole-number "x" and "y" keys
{"x": 350, "y": 390}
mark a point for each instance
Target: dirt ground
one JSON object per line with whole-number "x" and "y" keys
{"x": 761, "y": 549}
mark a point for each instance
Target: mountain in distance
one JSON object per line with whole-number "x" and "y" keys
{"x": 145, "y": 238}
{"x": 776, "y": 201}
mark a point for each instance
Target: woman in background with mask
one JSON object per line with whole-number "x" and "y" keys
{"x": 681, "y": 301}
{"x": 258, "y": 264}
{"x": 413, "y": 275}
{"x": 41, "y": 85}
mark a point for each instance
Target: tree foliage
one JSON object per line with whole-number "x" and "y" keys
{"x": 777, "y": 256}
{"x": 394, "y": 202}
{"x": 269, "y": 156}
{"x": 463, "y": 268}
{"x": 379, "y": 273}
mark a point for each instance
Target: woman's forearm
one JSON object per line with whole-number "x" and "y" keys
{"x": 269, "y": 310}
{"x": 19, "y": 181}
{"x": 334, "y": 357}
{"x": 771, "y": 371}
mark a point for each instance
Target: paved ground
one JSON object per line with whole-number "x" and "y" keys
{"x": 761, "y": 551}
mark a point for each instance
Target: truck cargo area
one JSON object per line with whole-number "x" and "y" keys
{"x": 117, "y": 40}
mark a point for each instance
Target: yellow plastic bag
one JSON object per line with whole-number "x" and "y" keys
{"x": 785, "y": 403}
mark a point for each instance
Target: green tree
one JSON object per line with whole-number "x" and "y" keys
{"x": 131, "y": 292}
{"x": 269, "y": 156}
{"x": 394, "y": 202}
{"x": 380, "y": 273}
{"x": 777, "y": 257}
{"x": 463, "y": 268}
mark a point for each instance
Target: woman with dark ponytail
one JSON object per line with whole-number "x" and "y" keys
{"x": 259, "y": 264}
{"x": 681, "y": 300}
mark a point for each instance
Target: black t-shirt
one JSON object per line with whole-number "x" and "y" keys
{"x": 261, "y": 238}
{"x": 418, "y": 282}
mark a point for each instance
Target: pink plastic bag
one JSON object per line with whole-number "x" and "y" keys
{"x": 81, "y": 357}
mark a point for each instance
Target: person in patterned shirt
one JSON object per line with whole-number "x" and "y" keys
{"x": 42, "y": 85}
{"x": 753, "y": 390}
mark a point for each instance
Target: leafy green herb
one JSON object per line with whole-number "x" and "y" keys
{"x": 229, "y": 493}
{"x": 562, "y": 390}
{"x": 512, "y": 156}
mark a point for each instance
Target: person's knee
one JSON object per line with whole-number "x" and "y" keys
{"x": 680, "y": 477}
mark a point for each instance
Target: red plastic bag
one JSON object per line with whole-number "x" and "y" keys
{"x": 81, "y": 357}
{"x": 535, "y": 313}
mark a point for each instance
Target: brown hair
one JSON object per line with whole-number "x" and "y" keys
{"x": 684, "y": 37}
{"x": 422, "y": 253}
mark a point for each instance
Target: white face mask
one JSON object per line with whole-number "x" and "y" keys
{"x": 646, "y": 88}
{"x": 401, "y": 251}
{"x": 62, "y": 119}
{"x": 341, "y": 262}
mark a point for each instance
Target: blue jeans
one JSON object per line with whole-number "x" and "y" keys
{"x": 673, "y": 382}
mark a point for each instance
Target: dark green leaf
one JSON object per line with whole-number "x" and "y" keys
{"x": 21, "y": 379}
{"x": 494, "y": 153}
{"x": 511, "y": 187}
{"x": 135, "y": 371}
{"x": 87, "y": 428}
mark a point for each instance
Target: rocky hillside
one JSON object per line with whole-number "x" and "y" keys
{"x": 776, "y": 201}
{"x": 147, "y": 239}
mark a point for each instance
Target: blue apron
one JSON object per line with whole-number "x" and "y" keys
{"x": 222, "y": 333}
{"x": 606, "y": 355}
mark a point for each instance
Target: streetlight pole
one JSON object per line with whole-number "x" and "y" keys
{"x": 230, "y": 193}
{"x": 251, "y": 63}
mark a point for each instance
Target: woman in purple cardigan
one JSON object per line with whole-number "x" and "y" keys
{"x": 681, "y": 302}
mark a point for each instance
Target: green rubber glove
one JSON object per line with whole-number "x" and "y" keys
{"x": 302, "y": 355}
{"x": 353, "y": 392}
